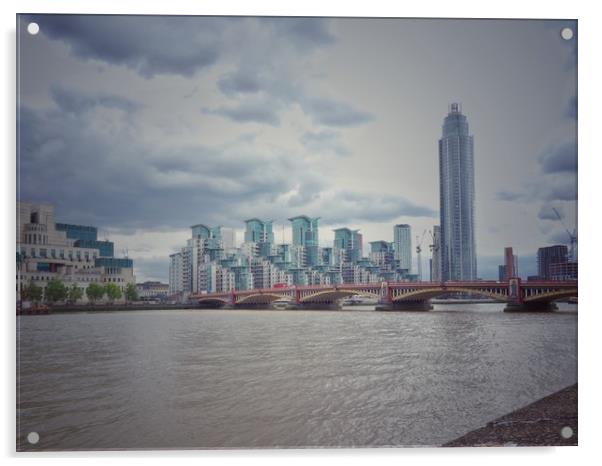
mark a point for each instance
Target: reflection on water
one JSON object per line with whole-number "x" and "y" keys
{"x": 204, "y": 378}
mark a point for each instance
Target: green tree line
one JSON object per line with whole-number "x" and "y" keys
{"x": 56, "y": 291}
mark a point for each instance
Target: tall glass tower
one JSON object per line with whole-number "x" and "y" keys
{"x": 402, "y": 238}
{"x": 456, "y": 198}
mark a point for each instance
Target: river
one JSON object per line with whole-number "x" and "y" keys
{"x": 222, "y": 379}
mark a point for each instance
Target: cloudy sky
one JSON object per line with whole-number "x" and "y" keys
{"x": 146, "y": 125}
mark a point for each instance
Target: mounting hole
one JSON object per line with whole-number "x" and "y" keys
{"x": 566, "y": 33}
{"x": 33, "y": 438}
{"x": 33, "y": 28}
{"x": 566, "y": 432}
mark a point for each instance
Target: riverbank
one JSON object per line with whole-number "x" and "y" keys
{"x": 541, "y": 423}
{"x": 65, "y": 309}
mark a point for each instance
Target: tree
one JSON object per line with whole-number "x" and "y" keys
{"x": 32, "y": 292}
{"x": 56, "y": 291}
{"x": 75, "y": 294}
{"x": 131, "y": 293}
{"x": 113, "y": 291}
{"x": 95, "y": 292}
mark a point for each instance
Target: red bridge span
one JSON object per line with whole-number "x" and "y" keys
{"x": 518, "y": 295}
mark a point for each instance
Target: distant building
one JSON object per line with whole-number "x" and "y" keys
{"x": 457, "y": 198}
{"x": 563, "y": 271}
{"x": 349, "y": 243}
{"x": 402, "y": 241}
{"x": 510, "y": 267}
{"x": 305, "y": 233}
{"x": 70, "y": 253}
{"x": 229, "y": 239}
{"x": 548, "y": 256}
{"x": 152, "y": 291}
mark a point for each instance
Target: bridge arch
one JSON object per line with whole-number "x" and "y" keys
{"x": 262, "y": 298}
{"x": 428, "y": 293}
{"x": 334, "y": 294}
{"x": 213, "y": 301}
{"x": 551, "y": 296}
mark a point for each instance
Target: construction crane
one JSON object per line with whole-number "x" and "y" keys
{"x": 419, "y": 253}
{"x": 572, "y": 237}
{"x": 434, "y": 248}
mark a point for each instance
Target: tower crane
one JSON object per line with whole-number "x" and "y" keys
{"x": 434, "y": 248}
{"x": 419, "y": 253}
{"x": 572, "y": 236}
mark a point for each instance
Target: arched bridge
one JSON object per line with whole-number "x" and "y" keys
{"x": 517, "y": 294}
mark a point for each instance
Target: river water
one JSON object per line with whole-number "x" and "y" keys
{"x": 211, "y": 378}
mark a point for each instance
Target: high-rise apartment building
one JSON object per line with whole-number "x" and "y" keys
{"x": 402, "y": 242}
{"x": 348, "y": 243}
{"x": 457, "y": 198}
{"x": 305, "y": 234}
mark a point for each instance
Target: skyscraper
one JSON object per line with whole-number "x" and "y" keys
{"x": 456, "y": 198}
{"x": 402, "y": 240}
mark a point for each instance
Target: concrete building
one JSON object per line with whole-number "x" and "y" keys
{"x": 47, "y": 250}
{"x": 457, "y": 198}
{"x": 152, "y": 291}
{"x": 548, "y": 256}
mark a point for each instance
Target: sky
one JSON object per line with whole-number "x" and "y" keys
{"x": 146, "y": 125}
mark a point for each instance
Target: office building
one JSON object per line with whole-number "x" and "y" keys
{"x": 70, "y": 253}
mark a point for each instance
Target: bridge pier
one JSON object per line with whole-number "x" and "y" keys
{"x": 423, "y": 305}
{"x": 252, "y": 306}
{"x": 531, "y": 307}
{"x": 309, "y": 306}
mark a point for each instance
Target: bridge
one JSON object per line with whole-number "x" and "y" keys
{"x": 518, "y": 295}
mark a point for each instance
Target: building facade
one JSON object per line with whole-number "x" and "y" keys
{"x": 549, "y": 256}
{"x": 402, "y": 239}
{"x": 457, "y": 198}
{"x": 69, "y": 253}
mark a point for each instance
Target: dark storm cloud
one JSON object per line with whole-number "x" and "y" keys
{"x": 149, "y": 45}
{"x": 560, "y": 158}
{"x": 180, "y": 45}
{"x": 324, "y": 141}
{"x": 302, "y": 32}
{"x": 102, "y": 174}
{"x": 115, "y": 180}
{"x": 74, "y": 102}
{"x": 330, "y": 112}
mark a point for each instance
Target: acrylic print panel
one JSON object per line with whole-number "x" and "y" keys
{"x": 310, "y": 232}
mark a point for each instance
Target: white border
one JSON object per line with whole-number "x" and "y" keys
{"x": 590, "y": 322}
